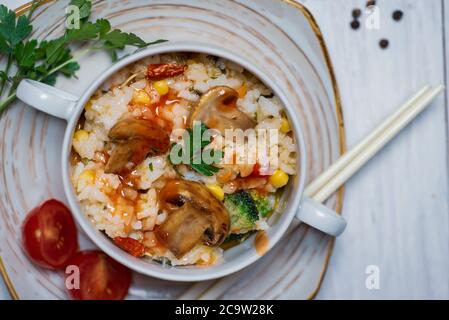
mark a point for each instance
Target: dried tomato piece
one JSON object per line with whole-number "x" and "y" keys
{"x": 130, "y": 245}
{"x": 159, "y": 71}
{"x": 256, "y": 170}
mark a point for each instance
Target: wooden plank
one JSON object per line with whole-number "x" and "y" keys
{"x": 397, "y": 206}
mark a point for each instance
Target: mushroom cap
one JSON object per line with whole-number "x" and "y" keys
{"x": 195, "y": 216}
{"x": 134, "y": 140}
{"x": 217, "y": 109}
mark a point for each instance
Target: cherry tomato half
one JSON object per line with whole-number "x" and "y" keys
{"x": 49, "y": 235}
{"x": 100, "y": 277}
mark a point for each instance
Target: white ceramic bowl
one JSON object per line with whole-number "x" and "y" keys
{"x": 70, "y": 107}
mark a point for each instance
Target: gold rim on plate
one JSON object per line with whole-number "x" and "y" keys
{"x": 341, "y": 130}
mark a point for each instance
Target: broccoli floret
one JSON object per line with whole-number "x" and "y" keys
{"x": 233, "y": 239}
{"x": 242, "y": 210}
{"x": 263, "y": 204}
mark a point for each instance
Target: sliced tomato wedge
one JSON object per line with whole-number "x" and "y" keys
{"x": 49, "y": 235}
{"x": 101, "y": 277}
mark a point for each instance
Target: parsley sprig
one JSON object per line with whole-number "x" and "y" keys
{"x": 45, "y": 60}
{"x": 196, "y": 162}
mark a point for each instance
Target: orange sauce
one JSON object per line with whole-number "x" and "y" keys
{"x": 131, "y": 179}
{"x": 157, "y": 248}
{"x": 165, "y": 195}
{"x": 261, "y": 242}
{"x": 257, "y": 183}
{"x": 228, "y": 104}
{"x": 121, "y": 204}
{"x": 165, "y": 101}
{"x": 242, "y": 90}
{"x": 212, "y": 122}
{"x": 74, "y": 157}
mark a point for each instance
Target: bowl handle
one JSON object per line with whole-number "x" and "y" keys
{"x": 321, "y": 217}
{"x": 46, "y": 98}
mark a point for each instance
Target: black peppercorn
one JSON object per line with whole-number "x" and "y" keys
{"x": 355, "y": 24}
{"x": 356, "y": 13}
{"x": 397, "y": 15}
{"x": 384, "y": 43}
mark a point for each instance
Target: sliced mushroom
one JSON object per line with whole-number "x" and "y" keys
{"x": 134, "y": 140}
{"x": 195, "y": 216}
{"x": 217, "y": 109}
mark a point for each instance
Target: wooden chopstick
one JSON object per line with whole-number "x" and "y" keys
{"x": 376, "y": 144}
{"x": 337, "y": 174}
{"x": 345, "y": 159}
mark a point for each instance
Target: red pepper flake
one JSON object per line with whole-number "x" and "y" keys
{"x": 130, "y": 245}
{"x": 159, "y": 71}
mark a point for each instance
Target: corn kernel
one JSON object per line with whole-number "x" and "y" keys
{"x": 216, "y": 190}
{"x": 278, "y": 179}
{"x": 191, "y": 61}
{"x": 141, "y": 97}
{"x": 88, "y": 105}
{"x": 86, "y": 177}
{"x": 285, "y": 125}
{"x": 161, "y": 87}
{"x": 81, "y": 136}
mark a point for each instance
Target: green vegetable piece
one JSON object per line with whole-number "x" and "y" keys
{"x": 25, "y": 54}
{"x": 242, "y": 210}
{"x": 45, "y": 60}
{"x": 85, "y": 7}
{"x": 263, "y": 204}
{"x": 12, "y": 30}
{"x": 87, "y": 31}
{"x": 195, "y": 152}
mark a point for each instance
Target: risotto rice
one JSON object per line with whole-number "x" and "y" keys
{"x": 129, "y": 206}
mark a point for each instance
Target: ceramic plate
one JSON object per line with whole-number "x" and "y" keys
{"x": 280, "y": 37}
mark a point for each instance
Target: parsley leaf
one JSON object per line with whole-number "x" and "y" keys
{"x": 103, "y": 26}
{"x": 70, "y": 69}
{"x": 45, "y": 60}
{"x": 205, "y": 169}
{"x": 195, "y": 153}
{"x": 25, "y": 54}
{"x": 84, "y": 6}
{"x": 119, "y": 39}
{"x": 12, "y": 30}
{"x": 87, "y": 31}
{"x": 4, "y": 76}
{"x": 4, "y": 48}
{"x": 54, "y": 51}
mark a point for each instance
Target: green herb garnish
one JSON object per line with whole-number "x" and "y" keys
{"x": 45, "y": 60}
{"x": 150, "y": 166}
{"x": 195, "y": 161}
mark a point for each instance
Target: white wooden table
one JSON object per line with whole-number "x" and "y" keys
{"x": 397, "y": 206}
